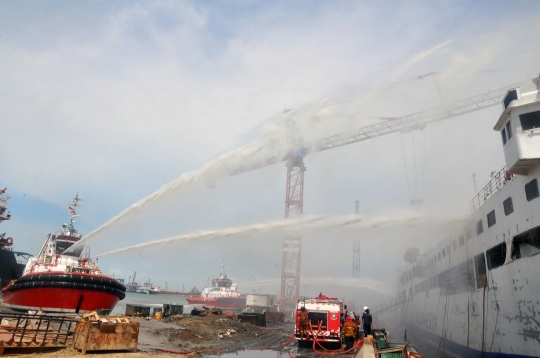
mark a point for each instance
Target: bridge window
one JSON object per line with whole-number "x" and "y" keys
{"x": 526, "y": 244}
{"x": 491, "y": 218}
{"x": 508, "y": 206}
{"x": 461, "y": 241}
{"x": 496, "y": 256}
{"x": 509, "y": 130}
{"x": 531, "y": 190}
{"x": 530, "y": 120}
{"x": 443, "y": 253}
{"x": 503, "y": 133}
{"x": 480, "y": 268}
{"x": 439, "y": 256}
{"x": 454, "y": 245}
{"x": 479, "y": 227}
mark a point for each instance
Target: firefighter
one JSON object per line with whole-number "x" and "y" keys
{"x": 344, "y": 313}
{"x": 356, "y": 320}
{"x": 349, "y": 331}
{"x": 304, "y": 322}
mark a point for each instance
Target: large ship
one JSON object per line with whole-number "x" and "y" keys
{"x": 222, "y": 294}
{"x": 477, "y": 292}
{"x": 11, "y": 262}
{"x": 60, "y": 279}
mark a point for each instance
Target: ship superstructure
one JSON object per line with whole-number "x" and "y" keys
{"x": 477, "y": 292}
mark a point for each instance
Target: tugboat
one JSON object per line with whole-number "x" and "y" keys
{"x": 10, "y": 267}
{"x": 222, "y": 294}
{"x": 148, "y": 289}
{"x": 63, "y": 281}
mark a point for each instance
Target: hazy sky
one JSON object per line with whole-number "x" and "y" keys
{"x": 114, "y": 99}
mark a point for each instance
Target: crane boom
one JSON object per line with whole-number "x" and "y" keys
{"x": 406, "y": 123}
{"x": 412, "y": 121}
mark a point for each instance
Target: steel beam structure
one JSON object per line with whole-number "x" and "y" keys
{"x": 404, "y": 124}
{"x": 411, "y": 121}
{"x": 294, "y": 206}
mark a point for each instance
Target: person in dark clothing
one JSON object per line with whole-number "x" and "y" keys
{"x": 344, "y": 313}
{"x": 367, "y": 320}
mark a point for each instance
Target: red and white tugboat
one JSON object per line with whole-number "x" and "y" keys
{"x": 60, "y": 281}
{"x": 222, "y": 294}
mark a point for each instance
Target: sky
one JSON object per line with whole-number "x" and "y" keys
{"x": 114, "y": 100}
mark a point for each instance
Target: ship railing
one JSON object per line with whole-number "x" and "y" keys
{"x": 499, "y": 180}
{"x": 22, "y": 330}
{"x": 388, "y": 305}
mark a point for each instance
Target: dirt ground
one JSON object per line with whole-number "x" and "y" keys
{"x": 212, "y": 334}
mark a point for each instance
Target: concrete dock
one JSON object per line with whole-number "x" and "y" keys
{"x": 366, "y": 351}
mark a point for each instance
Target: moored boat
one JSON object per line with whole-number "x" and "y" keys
{"x": 10, "y": 267}
{"x": 148, "y": 289}
{"x": 222, "y": 294}
{"x": 60, "y": 279}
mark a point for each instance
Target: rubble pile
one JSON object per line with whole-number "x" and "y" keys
{"x": 220, "y": 333}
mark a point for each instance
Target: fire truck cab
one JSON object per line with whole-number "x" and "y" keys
{"x": 324, "y": 320}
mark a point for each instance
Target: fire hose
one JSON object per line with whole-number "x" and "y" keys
{"x": 331, "y": 352}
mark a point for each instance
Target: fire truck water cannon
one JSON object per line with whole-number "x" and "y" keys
{"x": 323, "y": 321}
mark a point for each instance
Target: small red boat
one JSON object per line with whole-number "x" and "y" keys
{"x": 62, "y": 280}
{"x": 222, "y": 294}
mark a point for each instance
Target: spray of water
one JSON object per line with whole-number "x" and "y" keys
{"x": 363, "y": 284}
{"x": 269, "y": 146}
{"x": 301, "y": 225}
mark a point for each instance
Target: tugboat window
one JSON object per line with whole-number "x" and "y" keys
{"x": 508, "y": 206}
{"x": 479, "y": 227}
{"x": 526, "y": 244}
{"x": 530, "y": 120}
{"x": 531, "y": 190}
{"x": 503, "y": 133}
{"x": 480, "y": 268}
{"x": 454, "y": 245}
{"x": 461, "y": 241}
{"x": 496, "y": 256}
{"x": 509, "y": 130}
{"x": 491, "y": 218}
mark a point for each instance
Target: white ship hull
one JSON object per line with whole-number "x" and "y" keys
{"x": 477, "y": 292}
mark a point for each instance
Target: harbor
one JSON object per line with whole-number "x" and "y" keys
{"x": 270, "y": 179}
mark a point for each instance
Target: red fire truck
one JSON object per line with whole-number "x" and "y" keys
{"x": 324, "y": 320}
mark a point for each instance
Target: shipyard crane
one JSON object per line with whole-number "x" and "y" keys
{"x": 297, "y": 151}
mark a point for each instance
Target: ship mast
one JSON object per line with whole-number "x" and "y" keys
{"x": 72, "y": 212}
